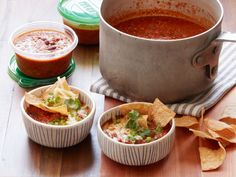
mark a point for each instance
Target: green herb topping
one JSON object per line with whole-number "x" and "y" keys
{"x": 158, "y": 128}
{"x": 59, "y": 121}
{"x": 73, "y": 104}
{"x": 133, "y": 116}
{"x": 53, "y": 101}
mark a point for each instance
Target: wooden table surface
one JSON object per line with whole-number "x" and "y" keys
{"x": 19, "y": 156}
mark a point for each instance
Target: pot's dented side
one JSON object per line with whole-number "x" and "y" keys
{"x": 144, "y": 69}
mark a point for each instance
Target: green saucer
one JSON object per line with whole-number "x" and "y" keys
{"x": 29, "y": 82}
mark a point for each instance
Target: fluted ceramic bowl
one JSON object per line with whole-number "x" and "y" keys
{"x": 57, "y": 136}
{"x": 133, "y": 154}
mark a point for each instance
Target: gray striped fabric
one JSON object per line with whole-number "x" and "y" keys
{"x": 225, "y": 80}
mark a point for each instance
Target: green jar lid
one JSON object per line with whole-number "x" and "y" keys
{"x": 84, "y": 12}
{"x": 29, "y": 82}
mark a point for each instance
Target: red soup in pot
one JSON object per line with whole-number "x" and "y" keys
{"x": 160, "y": 27}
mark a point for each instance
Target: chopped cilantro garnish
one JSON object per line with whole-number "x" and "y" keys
{"x": 144, "y": 133}
{"x": 52, "y": 100}
{"x": 158, "y": 128}
{"x": 133, "y": 133}
{"x": 133, "y": 116}
{"x": 148, "y": 139}
{"x": 57, "y": 99}
{"x": 73, "y": 104}
{"x": 132, "y": 124}
{"x": 78, "y": 118}
{"x": 59, "y": 121}
{"x": 73, "y": 113}
{"x": 131, "y": 138}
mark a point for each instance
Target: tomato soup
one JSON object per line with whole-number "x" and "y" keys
{"x": 160, "y": 27}
{"x": 42, "y": 41}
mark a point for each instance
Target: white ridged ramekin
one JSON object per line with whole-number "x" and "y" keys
{"x": 133, "y": 154}
{"x": 57, "y": 136}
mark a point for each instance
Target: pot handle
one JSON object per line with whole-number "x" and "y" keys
{"x": 226, "y": 37}
{"x": 202, "y": 59}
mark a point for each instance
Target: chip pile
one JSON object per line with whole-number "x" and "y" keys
{"x": 214, "y": 136}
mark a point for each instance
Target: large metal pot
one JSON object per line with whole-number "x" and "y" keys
{"x": 172, "y": 70}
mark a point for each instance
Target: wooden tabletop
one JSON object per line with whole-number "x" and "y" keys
{"x": 19, "y": 156}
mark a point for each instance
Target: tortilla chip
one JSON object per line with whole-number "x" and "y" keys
{"x": 50, "y": 89}
{"x": 202, "y": 134}
{"x": 223, "y": 141}
{"x": 141, "y": 108}
{"x": 61, "y": 83}
{"x": 60, "y": 88}
{"x": 33, "y": 100}
{"x": 221, "y": 128}
{"x": 211, "y": 157}
{"x": 211, "y": 144}
{"x": 142, "y": 121}
{"x": 221, "y": 138}
{"x": 64, "y": 94}
{"x": 201, "y": 120}
{"x": 213, "y": 134}
{"x": 160, "y": 113}
{"x": 233, "y": 126}
{"x": 36, "y": 101}
{"x": 186, "y": 122}
{"x": 229, "y": 120}
{"x": 58, "y": 109}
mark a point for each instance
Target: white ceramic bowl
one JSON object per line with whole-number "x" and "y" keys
{"x": 133, "y": 154}
{"x": 55, "y": 135}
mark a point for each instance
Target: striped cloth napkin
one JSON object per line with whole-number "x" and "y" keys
{"x": 225, "y": 80}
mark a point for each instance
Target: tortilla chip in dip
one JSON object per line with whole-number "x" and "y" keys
{"x": 160, "y": 113}
{"x": 58, "y": 104}
{"x": 143, "y": 108}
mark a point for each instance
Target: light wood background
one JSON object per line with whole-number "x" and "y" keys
{"x": 19, "y": 156}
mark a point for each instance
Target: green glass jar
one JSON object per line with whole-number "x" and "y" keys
{"x": 83, "y": 17}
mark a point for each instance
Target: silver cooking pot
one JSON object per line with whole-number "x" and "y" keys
{"x": 171, "y": 70}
